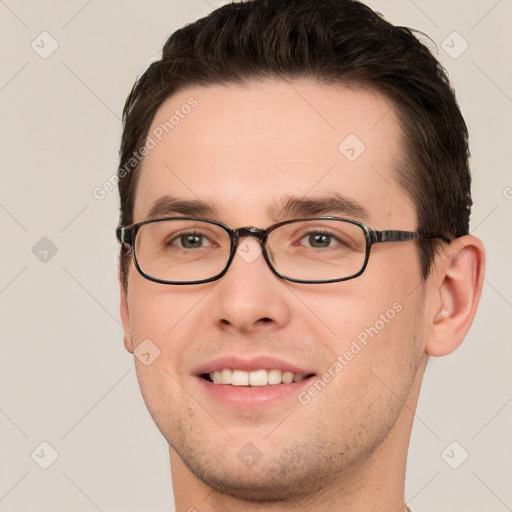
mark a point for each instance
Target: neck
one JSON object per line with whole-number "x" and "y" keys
{"x": 375, "y": 484}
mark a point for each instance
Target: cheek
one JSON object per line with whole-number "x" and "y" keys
{"x": 154, "y": 319}
{"x": 372, "y": 364}
{"x": 379, "y": 334}
{"x": 361, "y": 309}
{"x": 156, "y": 353}
{"x": 374, "y": 320}
{"x": 161, "y": 312}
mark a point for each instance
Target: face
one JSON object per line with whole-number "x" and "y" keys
{"x": 357, "y": 344}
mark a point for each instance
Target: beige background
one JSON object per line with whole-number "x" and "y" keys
{"x": 65, "y": 378}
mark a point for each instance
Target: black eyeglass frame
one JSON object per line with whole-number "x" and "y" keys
{"x": 126, "y": 236}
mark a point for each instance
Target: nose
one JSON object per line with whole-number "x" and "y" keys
{"x": 250, "y": 297}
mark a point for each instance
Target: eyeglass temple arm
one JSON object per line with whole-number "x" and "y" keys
{"x": 123, "y": 235}
{"x": 401, "y": 236}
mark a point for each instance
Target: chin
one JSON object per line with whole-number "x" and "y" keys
{"x": 281, "y": 474}
{"x": 265, "y": 484}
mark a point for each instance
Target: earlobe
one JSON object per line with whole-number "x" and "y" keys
{"x": 125, "y": 318}
{"x": 125, "y": 315}
{"x": 458, "y": 288}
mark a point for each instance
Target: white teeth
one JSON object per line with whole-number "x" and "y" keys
{"x": 287, "y": 377}
{"x": 254, "y": 378}
{"x": 240, "y": 378}
{"x": 258, "y": 378}
{"x": 274, "y": 376}
{"x": 226, "y": 376}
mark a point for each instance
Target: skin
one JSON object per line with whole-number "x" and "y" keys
{"x": 244, "y": 148}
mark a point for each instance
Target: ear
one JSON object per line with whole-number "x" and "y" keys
{"x": 457, "y": 282}
{"x": 125, "y": 313}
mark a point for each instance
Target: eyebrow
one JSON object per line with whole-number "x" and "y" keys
{"x": 292, "y": 207}
{"x": 169, "y": 205}
{"x": 320, "y": 206}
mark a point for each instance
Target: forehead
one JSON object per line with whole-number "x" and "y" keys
{"x": 245, "y": 149}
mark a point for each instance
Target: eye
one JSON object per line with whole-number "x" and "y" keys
{"x": 318, "y": 239}
{"x": 190, "y": 241}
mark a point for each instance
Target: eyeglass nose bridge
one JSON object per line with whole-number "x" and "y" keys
{"x": 248, "y": 231}
{"x": 251, "y": 231}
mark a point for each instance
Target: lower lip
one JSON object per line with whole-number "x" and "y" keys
{"x": 252, "y": 397}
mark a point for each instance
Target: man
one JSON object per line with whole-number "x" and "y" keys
{"x": 294, "y": 225}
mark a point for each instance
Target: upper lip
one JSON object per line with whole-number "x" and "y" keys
{"x": 251, "y": 364}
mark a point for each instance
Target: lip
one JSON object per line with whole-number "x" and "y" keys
{"x": 251, "y": 365}
{"x": 252, "y": 397}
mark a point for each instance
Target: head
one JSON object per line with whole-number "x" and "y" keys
{"x": 246, "y": 111}
{"x": 332, "y": 42}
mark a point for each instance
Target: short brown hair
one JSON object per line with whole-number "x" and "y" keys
{"x": 331, "y": 41}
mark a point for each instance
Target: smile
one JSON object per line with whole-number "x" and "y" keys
{"x": 256, "y": 378}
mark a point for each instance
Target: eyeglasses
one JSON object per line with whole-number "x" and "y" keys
{"x": 190, "y": 250}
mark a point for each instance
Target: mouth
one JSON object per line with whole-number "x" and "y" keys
{"x": 255, "y": 378}
{"x": 249, "y": 384}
